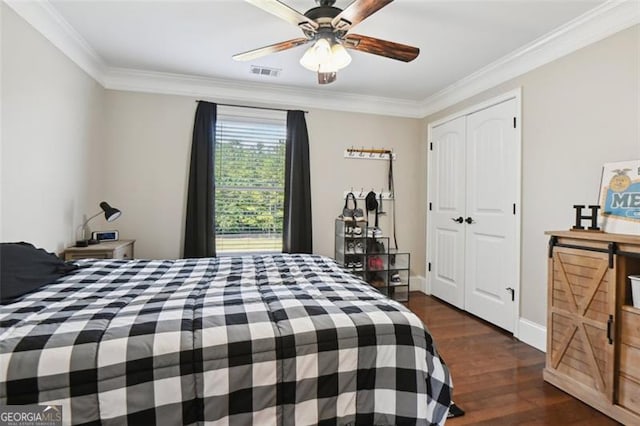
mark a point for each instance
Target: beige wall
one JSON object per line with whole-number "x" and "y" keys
{"x": 148, "y": 141}
{"x": 330, "y": 134}
{"x": 51, "y": 118}
{"x": 67, "y": 144}
{"x": 578, "y": 112}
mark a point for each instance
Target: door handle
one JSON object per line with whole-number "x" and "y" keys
{"x": 469, "y": 220}
{"x": 513, "y": 293}
{"x": 459, "y": 219}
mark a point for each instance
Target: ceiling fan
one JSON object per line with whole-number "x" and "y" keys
{"x": 328, "y": 27}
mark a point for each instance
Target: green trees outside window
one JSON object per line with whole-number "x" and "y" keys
{"x": 249, "y": 173}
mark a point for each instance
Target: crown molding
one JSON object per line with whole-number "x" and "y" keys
{"x": 255, "y": 93}
{"x": 42, "y": 16}
{"x": 594, "y": 25}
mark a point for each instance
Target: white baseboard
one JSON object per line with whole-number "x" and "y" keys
{"x": 529, "y": 332}
{"x": 418, "y": 283}
{"x": 532, "y": 334}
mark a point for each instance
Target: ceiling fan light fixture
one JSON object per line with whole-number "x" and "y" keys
{"x": 328, "y": 28}
{"x": 339, "y": 56}
{"x": 326, "y": 77}
{"x": 325, "y": 56}
{"x": 318, "y": 56}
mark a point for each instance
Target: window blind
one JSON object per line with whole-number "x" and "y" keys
{"x": 249, "y": 174}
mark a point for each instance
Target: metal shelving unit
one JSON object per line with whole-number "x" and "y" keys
{"x": 358, "y": 252}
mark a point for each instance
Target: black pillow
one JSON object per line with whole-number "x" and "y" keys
{"x": 24, "y": 268}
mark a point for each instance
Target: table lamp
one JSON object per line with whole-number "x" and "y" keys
{"x": 110, "y": 214}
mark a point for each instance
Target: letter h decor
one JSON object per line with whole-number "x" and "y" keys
{"x": 580, "y": 217}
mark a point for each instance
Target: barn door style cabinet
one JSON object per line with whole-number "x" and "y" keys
{"x": 593, "y": 330}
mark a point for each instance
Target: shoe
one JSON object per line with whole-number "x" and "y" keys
{"x": 349, "y": 265}
{"x": 356, "y": 231}
{"x": 350, "y": 247}
{"x": 357, "y": 265}
{"x": 358, "y": 215}
{"x": 347, "y": 215}
{"x": 375, "y": 263}
{"x": 348, "y": 231}
{"x": 377, "y": 282}
{"x": 395, "y": 278}
{"x": 358, "y": 248}
{"x": 374, "y": 232}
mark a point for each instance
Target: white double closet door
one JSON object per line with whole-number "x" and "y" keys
{"x": 472, "y": 232}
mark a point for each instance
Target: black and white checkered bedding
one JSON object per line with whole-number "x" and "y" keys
{"x": 268, "y": 340}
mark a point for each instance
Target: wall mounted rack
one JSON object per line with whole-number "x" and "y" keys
{"x": 369, "y": 153}
{"x": 361, "y": 194}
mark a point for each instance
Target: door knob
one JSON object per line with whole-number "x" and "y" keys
{"x": 459, "y": 219}
{"x": 469, "y": 220}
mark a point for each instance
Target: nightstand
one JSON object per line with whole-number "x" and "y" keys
{"x": 121, "y": 249}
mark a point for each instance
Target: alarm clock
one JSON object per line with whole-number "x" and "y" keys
{"x": 104, "y": 236}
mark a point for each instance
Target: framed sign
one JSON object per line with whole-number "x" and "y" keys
{"x": 620, "y": 197}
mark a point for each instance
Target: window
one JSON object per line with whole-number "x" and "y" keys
{"x": 249, "y": 174}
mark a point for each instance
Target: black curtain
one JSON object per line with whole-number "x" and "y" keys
{"x": 200, "y": 232}
{"x": 297, "y": 187}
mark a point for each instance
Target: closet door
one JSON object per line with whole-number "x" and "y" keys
{"x": 491, "y": 190}
{"x": 447, "y": 225}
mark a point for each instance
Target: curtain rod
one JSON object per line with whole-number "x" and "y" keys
{"x": 248, "y": 106}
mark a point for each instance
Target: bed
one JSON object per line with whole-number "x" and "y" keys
{"x": 265, "y": 340}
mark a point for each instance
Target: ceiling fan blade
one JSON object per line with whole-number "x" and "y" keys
{"x": 389, "y": 49}
{"x": 266, "y": 50}
{"x": 356, "y": 12}
{"x": 283, "y": 11}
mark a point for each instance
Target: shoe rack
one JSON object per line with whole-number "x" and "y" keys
{"x": 365, "y": 252}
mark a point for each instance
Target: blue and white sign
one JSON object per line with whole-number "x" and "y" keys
{"x": 620, "y": 197}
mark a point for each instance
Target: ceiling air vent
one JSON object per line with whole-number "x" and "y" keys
{"x": 264, "y": 71}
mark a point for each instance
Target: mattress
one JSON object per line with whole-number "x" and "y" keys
{"x": 265, "y": 340}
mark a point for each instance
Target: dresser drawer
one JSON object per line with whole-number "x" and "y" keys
{"x": 629, "y": 377}
{"x": 630, "y": 361}
{"x": 629, "y": 394}
{"x": 630, "y": 326}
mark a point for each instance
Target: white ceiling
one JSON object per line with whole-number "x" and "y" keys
{"x": 198, "y": 38}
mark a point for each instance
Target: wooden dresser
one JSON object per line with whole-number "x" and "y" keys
{"x": 121, "y": 249}
{"x": 593, "y": 331}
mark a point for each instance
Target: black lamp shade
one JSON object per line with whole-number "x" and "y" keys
{"x": 110, "y": 213}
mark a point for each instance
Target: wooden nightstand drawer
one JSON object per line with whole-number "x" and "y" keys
{"x": 87, "y": 255}
{"x": 122, "y": 249}
{"x": 124, "y": 252}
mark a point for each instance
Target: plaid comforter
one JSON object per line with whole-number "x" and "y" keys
{"x": 268, "y": 340}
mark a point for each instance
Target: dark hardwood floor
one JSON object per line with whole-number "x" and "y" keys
{"x": 497, "y": 379}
